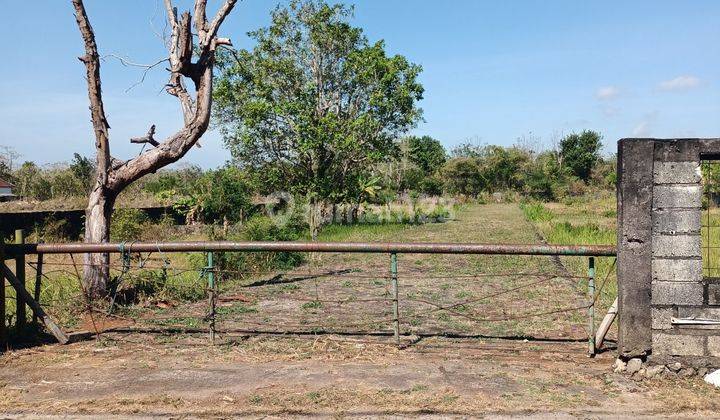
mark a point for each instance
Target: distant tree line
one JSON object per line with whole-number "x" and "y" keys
{"x": 60, "y": 180}
{"x": 413, "y": 165}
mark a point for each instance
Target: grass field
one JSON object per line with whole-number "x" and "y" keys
{"x": 155, "y": 357}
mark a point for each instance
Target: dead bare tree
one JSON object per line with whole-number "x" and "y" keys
{"x": 113, "y": 175}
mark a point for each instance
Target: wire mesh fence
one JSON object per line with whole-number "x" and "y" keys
{"x": 710, "y": 220}
{"x": 390, "y": 295}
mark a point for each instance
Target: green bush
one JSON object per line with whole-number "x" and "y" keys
{"x": 160, "y": 285}
{"x": 127, "y": 224}
{"x": 439, "y": 214}
{"x": 258, "y": 228}
{"x": 53, "y": 229}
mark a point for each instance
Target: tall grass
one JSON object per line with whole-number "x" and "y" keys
{"x": 577, "y": 225}
{"x": 536, "y": 212}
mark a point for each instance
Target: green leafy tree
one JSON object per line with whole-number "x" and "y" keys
{"x": 27, "y": 180}
{"x": 222, "y": 195}
{"x": 427, "y": 153}
{"x": 315, "y": 105}
{"x": 464, "y": 175}
{"x": 467, "y": 149}
{"x": 5, "y": 170}
{"x": 83, "y": 168}
{"x": 8, "y": 156}
{"x": 503, "y": 167}
{"x": 580, "y": 152}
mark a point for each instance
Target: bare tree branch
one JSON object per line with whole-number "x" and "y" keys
{"x": 200, "y": 18}
{"x": 127, "y": 63}
{"x": 91, "y": 59}
{"x": 160, "y": 34}
{"x": 171, "y": 13}
{"x": 147, "y": 138}
{"x": 196, "y": 113}
{"x": 217, "y": 21}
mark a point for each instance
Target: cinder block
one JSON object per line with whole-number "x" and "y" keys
{"x": 676, "y": 172}
{"x": 676, "y": 221}
{"x": 677, "y": 270}
{"x": 661, "y": 318}
{"x": 676, "y": 246}
{"x": 698, "y": 312}
{"x": 678, "y": 345}
{"x": 681, "y": 196}
{"x": 676, "y": 293}
{"x": 713, "y": 294}
{"x": 713, "y": 346}
{"x": 677, "y": 150}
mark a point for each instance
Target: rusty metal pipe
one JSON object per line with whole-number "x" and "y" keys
{"x": 359, "y": 247}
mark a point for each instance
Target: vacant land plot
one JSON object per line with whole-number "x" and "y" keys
{"x": 319, "y": 341}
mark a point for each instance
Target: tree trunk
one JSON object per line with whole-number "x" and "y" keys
{"x": 97, "y": 229}
{"x": 313, "y": 220}
{"x": 354, "y": 212}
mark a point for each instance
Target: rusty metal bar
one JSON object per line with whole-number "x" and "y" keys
{"x": 360, "y": 247}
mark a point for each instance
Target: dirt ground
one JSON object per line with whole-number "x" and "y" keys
{"x": 496, "y": 363}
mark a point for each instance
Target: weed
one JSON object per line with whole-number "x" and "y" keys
{"x": 315, "y": 304}
{"x": 182, "y": 322}
{"x": 313, "y": 396}
{"x": 289, "y": 287}
{"x": 463, "y": 295}
{"x": 236, "y": 309}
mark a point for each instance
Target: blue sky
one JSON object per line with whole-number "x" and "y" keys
{"x": 493, "y": 70}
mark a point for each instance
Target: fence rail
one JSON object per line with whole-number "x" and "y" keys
{"x": 11, "y": 250}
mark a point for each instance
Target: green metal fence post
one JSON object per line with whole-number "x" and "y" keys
{"x": 591, "y": 308}
{"x": 396, "y": 304}
{"x": 20, "y": 314}
{"x": 211, "y": 294}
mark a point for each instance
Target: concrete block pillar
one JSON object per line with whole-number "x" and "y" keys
{"x": 660, "y": 267}
{"x": 634, "y": 245}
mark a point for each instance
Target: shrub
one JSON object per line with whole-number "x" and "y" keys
{"x": 127, "y": 224}
{"x": 53, "y": 229}
{"x": 439, "y": 214}
{"x": 580, "y": 152}
{"x": 258, "y": 228}
{"x": 156, "y": 285}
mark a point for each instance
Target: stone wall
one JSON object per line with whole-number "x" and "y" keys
{"x": 660, "y": 276}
